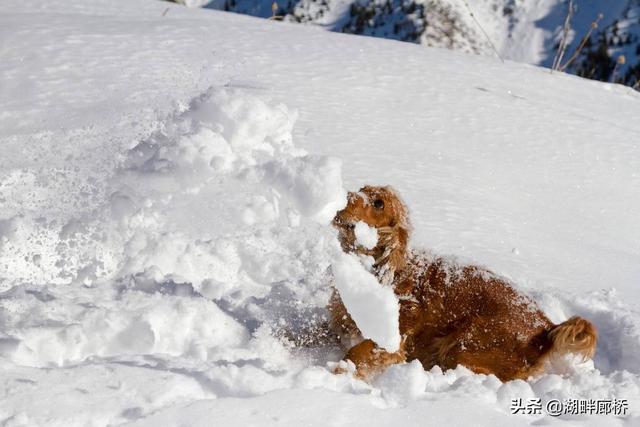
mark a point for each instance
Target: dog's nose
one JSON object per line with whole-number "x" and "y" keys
{"x": 343, "y": 220}
{"x": 342, "y": 217}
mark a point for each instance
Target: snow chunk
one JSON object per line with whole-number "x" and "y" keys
{"x": 366, "y": 236}
{"x": 313, "y": 184}
{"x": 372, "y": 306}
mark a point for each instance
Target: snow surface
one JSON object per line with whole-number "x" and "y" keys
{"x": 524, "y": 31}
{"x": 165, "y": 197}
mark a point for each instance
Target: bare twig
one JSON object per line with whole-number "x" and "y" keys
{"x": 563, "y": 42}
{"x": 483, "y": 31}
{"x": 621, "y": 61}
{"x": 586, "y": 38}
{"x": 274, "y": 9}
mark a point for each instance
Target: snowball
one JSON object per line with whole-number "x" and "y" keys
{"x": 366, "y": 236}
{"x": 372, "y": 306}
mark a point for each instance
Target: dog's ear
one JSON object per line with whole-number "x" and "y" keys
{"x": 394, "y": 239}
{"x": 398, "y": 256}
{"x": 401, "y": 220}
{"x": 393, "y": 253}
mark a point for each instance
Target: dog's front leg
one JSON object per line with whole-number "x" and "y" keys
{"x": 370, "y": 359}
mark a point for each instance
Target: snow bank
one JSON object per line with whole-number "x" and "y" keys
{"x": 209, "y": 252}
{"x": 207, "y": 222}
{"x": 213, "y": 238}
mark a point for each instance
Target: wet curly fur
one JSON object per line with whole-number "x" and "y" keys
{"x": 450, "y": 313}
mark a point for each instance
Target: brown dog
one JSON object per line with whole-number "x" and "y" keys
{"x": 450, "y": 314}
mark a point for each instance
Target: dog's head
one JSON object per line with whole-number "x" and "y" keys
{"x": 382, "y": 209}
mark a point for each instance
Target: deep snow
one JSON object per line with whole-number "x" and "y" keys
{"x": 165, "y": 199}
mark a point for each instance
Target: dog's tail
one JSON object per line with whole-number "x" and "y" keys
{"x": 575, "y": 335}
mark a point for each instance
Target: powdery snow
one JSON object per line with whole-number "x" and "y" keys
{"x": 166, "y": 185}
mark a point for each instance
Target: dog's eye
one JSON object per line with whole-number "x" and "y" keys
{"x": 378, "y": 204}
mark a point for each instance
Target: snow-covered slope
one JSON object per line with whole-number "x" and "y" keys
{"x": 524, "y": 31}
{"x": 165, "y": 195}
